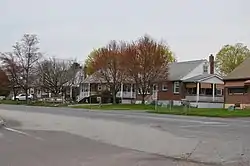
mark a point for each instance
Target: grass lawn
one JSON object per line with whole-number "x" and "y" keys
{"x": 32, "y": 103}
{"x": 116, "y": 107}
{"x": 207, "y": 112}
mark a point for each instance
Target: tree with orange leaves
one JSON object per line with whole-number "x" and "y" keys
{"x": 146, "y": 62}
{"x": 107, "y": 64}
{"x": 4, "y": 84}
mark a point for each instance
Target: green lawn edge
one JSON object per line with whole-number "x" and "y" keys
{"x": 201, "y": 112}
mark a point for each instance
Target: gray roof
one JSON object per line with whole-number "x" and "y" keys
{"x": 240, "y": 72}
{"x": 200, "y": 77}
{"x": 178, "y": 70}
{"x": 94, "y": 78}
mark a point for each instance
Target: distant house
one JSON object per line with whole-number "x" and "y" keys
{"x": 237, "y": 83}
{"x": 193, "y": 81}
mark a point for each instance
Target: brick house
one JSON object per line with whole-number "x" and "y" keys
{"x": 237, "y": 86}
{"x": 194, "y": 81}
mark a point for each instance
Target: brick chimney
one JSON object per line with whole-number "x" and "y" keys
{"x": 211, "y": 63}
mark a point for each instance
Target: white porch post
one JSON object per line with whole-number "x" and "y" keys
{"x": 121, "y": 93}
{"x": 213, "y": 91}
{"x": 131, "y": 91}
{"x": 198, "y": 92}
{"x": 71, "y": 92}
{"x": 89, "y": 90}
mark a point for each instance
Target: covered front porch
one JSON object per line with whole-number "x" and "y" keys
{"x": 204, "y": 88}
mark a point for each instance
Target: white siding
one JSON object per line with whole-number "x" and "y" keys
{"x": 197, "y": 71}
{"x": 207, "y": 105}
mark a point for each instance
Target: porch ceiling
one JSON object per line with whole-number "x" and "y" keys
{"x": 206, "y": 78}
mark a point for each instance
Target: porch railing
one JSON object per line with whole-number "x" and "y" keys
{"x": 205, "y": 98}
{"x": 124, "y": 94}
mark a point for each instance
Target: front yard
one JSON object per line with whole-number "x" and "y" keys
{"x": 179, "y": 110}
{"x": 176, "y": 110}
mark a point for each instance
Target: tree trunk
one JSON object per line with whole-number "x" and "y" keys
{"x": 143, "y": 98}
{"x": 114, "y": 97}
{"x": 26, "y": 95}
{"x": 14, "y": 92}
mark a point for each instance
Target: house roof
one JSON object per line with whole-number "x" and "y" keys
{"x": 240, "y": 72}
{"x": 94, "y": 78}
{"x": 178, "y": 70}
{"x": 201, "y": 77}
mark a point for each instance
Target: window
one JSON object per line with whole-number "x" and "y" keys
{"x": 99, "y": 87}
{"x": 155, "y": 87}
{"x": 218, "y": 92}
{"x": 140, "y": 91}
{"x": 164, "y": 87}
{"x": 205, "y": 68}
{"x": 176, "y": 87}
{"x": 86, "y": 88}
{"x": 237, "y": 91}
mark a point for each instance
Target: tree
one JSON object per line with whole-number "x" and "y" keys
{"x": 107, "y": 64}
{"x": 230, "y": 56}
{"x": 54, "y": 74}
{"x": 27, "y": 55}
{"x": 89, "y": 62}
{"x": 4, "y": 84}
{"x": 146, "y": 62}
{"x": 12, "y": 69}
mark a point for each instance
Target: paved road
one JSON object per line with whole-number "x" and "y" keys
{"x": 204, "y": 139}
{"x": 53, "y": 148}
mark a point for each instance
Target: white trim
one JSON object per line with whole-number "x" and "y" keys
{"x": 175, "y": 87}
{"x": 211, "y": 76}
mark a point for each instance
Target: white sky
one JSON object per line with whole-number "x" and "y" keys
{"x": 72, "y": 28}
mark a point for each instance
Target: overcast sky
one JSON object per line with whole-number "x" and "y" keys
{"x": 72, "y": 28}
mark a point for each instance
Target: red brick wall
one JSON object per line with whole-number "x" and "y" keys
{"x": 169, "y": 94}
{"x": 236, "y": 98}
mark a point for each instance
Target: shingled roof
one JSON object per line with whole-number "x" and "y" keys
{"x": 178, "y": 70}
{"x": 240, "y": 72}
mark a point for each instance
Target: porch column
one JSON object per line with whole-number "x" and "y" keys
{"x": 121, "y": 94}
{"x": 89, "y": 90}
{"x": 213, "y": 91}
{"x": 198, "y": 92}
{"x": 131, "y": 91}
{"x": 71, "y": 92}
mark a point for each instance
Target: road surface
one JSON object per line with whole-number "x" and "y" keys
{"x": 125, "y": 135}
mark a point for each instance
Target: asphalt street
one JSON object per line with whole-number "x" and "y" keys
{"x": 51, "y": 148}
{"x": 223, "y": 141}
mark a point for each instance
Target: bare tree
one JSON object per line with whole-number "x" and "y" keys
{"x": 54, "y": 74}
{"x": 27, "y": 55}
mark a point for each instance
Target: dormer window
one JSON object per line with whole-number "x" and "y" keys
{"x": 205, "y": 68}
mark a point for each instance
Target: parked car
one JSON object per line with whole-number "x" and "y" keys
{"x": 22, "y": 97}
{"x": 2, "y": 97}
